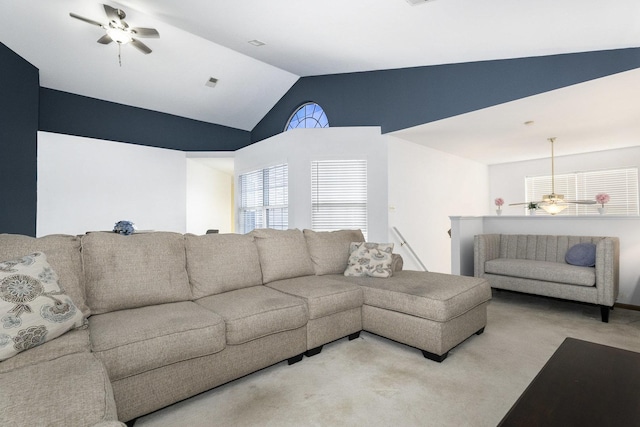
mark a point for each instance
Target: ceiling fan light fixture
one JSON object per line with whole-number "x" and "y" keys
{"x": 552, "y": 198}
{"x": 417, "y": 2}
{"x": 119, "y": 35}
{"x": 553, "y": 208}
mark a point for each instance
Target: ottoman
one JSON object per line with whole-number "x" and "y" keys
{"x": 433, "y": 312}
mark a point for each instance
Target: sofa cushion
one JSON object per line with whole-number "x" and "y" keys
{"x": 256, "y": 312}
{"x": 134, "y": 271}
{"x": 137, "y": 340}
{"x": 219, "y": 263}
{"x": 283, "y": 254}
{"x": 33, "y": 308}
{"x": 322, "y": 295}
{"x": 542, "y": 270}
{"x": 370, "y": 259}
{"x": 74, "y": 341}
{"x": 73, "y": 390}
{"x": 433, "y": 296}
{"x": 63, "y": 254}
{"x": 330, "y": 250}
{"x": 582, "y": 254}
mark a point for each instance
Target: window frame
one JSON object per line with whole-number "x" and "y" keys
{"x": 338, "y": 196}
{"x": 267, "y": 198}
{"x": 320, "y": 113}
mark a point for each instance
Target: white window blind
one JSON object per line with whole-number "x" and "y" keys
{"x": 264, "y": 199}
{"x": 620, "y": 184}
{"x": 339, "y": 195}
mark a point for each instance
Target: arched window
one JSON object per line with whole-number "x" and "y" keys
{"x": 309, "y": 115}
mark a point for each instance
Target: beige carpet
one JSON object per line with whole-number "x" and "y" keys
{"x": 372, "y": 381}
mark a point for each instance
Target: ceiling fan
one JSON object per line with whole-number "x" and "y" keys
{"x": 554, "y": 203}
{"x": 119, "y": 31}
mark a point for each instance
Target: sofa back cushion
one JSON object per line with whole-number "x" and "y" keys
{"x": 124, "y": 272}
{"x": 283, "y": 254}
{"x": 218, "y": 263}
{"x": 63, "y": 254}
{"x": 329, "y": 250}
{"x": 540, "y": 247}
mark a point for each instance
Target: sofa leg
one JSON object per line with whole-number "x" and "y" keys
{"x": 480, "y": 331}
{"x": 604, "y": 312}
{"x": 435, "y": 357}
{"x": 295, "y": 359}
{"x": 354, "y": 336}
{"x": 313, "y": 351}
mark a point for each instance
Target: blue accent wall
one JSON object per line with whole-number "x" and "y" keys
{"x": 67, "y": 113}
{"x": 19, "y": 83}
{"x": 391, "y": 99}
{"x": 402, "y": 98}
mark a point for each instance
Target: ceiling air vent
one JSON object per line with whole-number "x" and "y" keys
{"x": 417, "y": 2}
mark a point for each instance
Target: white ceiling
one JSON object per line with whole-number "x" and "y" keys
{"x": 209, "y": 38}
{"x": 602, "y": 114}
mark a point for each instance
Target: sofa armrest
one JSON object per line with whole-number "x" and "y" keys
{"x": 485, "y": 248}
{"x": 608, "y": 270}
{"x": 396, "y": 262}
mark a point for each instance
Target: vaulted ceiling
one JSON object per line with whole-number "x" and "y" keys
{"x": 200, "y": 39}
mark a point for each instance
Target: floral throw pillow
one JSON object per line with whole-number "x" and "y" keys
{"x": 370, "y": 259}
{"x": 33, "y": 308}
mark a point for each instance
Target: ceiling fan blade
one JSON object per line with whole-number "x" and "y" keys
{"x": 105, "y": 39}
{"x": 582, "y": 202}
{"x": 87, "y": 20}
{"x": 112, "y": 13}
{"x": 145, "y": 32}
{"x": 524, "y": 203}
{"x": 141, "y": 46}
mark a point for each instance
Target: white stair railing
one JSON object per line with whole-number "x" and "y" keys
{"x": 404, "y": 242}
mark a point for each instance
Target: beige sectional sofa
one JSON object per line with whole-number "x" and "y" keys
{"x": 172, "y": 315}
{"x": 536, "y": 264}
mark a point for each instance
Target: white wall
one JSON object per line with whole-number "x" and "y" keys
{"x": 410, "y": 186}
{"x": 88, "y": 184}
{"x": 426, "y": 186}
{"x": 507, "y": 180}
{"x": 209, "y": 199}
{"x": 299, "y": 147}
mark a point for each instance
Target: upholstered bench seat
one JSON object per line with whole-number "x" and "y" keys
{"x": 544, "y": 265}
{"x": 121, "y": 338}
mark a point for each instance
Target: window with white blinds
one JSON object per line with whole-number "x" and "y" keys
{"x": 264, "y": 199}
{"x": 620, "y": 184}
{"x": 339, "y": 195}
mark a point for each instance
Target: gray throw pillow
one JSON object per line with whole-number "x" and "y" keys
{"x": 582, "y": 254}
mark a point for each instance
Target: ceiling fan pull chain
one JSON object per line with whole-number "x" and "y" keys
{"x": 119, "y": 51}
{"x": 553, "y": 183}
